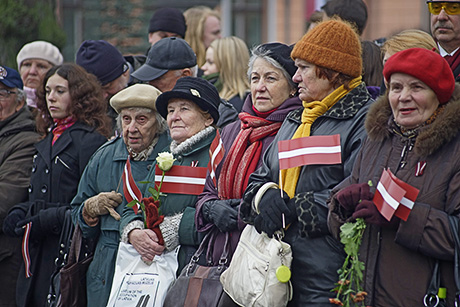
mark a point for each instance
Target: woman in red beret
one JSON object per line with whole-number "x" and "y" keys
{"x": 413, "y": 130}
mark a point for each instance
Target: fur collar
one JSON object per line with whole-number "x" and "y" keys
{"x": 431, "y": 138}
{"x": 189, "y": 143}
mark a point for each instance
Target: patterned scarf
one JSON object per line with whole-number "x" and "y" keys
{"x": 244, "y": 155}
{"x": 61, "y": 126}
{"x": 312, "y": 110}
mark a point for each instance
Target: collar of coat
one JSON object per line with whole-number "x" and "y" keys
{"x": 431, "y": 138}
{"x": 345, "y": 108}
{"x": 188, "y": 145}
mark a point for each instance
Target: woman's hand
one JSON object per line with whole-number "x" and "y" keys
{"x": 145, "y": 241}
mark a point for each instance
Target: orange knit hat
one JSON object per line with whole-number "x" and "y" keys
{"x": 331, "y": 44}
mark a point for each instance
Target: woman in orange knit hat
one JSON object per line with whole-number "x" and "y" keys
{"x": 335, "y": 102}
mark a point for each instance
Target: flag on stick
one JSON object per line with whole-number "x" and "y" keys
{"x": 216, "y": 154}
{"x": 310, "y": 150}
{"x": 130, "y": 189}
{"x": 182, "y": 179}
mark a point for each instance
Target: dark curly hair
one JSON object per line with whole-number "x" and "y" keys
{"x": 88, "y": 104}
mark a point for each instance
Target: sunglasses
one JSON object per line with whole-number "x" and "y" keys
{"x": 451, "y": 8}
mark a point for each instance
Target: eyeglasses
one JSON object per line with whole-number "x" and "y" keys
{"x": 4, "y": 93}
{"x": 451, "y": 8}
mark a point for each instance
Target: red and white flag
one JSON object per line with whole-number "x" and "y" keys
{"x": 25, "y": 249}
{"x": 216, "y": 154}
{"x": 130, "y": 189}
{"x": 316, "y": 149}
{"x": 394, "y": 196}
{"x": 182, "y": 179}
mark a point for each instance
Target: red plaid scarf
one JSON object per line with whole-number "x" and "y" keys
{"x": 61, "y": 126}
{"x": 244, "y": 155}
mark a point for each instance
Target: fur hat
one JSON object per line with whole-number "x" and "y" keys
{"x": 425, "y": 65}
{"x": 135, "y": 96}
{"x": 331, "y": 44}
{"x": 198, "y": 90}
{"x": 40, "y": 50}
{"x": 168, "y": 19}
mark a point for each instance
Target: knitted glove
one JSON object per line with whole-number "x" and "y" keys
{"x": 272, "y": 207}
{"x": 371, "y": 215}
{"x": 36, "y": 231}
{"x": 9, "y": 223}
{"x": 170, "y": 231}
{"x": 350, "y": 196}
{"x": 103, "y": 203}
{"x": 223, "y": 213}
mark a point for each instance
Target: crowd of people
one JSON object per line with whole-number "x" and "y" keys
{"x": 70, "y": 132}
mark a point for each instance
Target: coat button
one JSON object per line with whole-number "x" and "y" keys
{"x": 34, "y": 169}
{"x": 44, "y": 189}
{"x": 179, "y": 159}
{"x": 47, "y": 171}
{"x": 149, "y": 167}
{"x": 30, "y": 188}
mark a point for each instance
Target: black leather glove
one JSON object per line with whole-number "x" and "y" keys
{"x": 350, "y": 196}
{"x": 272, "y": 207}
{"x": 371, "y": 215}
{"x": 223, "y": 213}
{"x": 36, "y": 231}
{"x": 9, "y": 223}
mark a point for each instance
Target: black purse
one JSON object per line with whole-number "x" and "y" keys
{"x": 199, "y": 285}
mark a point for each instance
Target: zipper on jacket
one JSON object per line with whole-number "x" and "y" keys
{"x": 62, "y": 161}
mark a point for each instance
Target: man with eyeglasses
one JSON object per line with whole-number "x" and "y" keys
{"x": 17, "y": 139}
{"x": 445, "y": 28}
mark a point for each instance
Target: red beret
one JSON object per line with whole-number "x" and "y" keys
{"x": 425, "y": 65}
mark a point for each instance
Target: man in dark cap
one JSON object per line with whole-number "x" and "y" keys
{"x": 166, "y": 22}
{"x": 353, "y": 11}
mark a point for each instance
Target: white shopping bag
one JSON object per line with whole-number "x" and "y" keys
{"x": 138, "y": 284}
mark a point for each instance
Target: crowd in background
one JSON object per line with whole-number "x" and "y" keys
{"x": 69, "y": 129}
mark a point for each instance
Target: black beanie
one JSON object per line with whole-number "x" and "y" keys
{"x": 168, "y": 19}
{"x": 282, "y": 54}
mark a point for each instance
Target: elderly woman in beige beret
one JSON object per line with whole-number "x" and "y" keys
{"x": 98, "y": 204}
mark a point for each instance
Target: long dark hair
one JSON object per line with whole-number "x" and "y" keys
{"x": 88, "y": 105}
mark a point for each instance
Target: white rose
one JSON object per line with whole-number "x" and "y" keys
{"x": 165, "y": 161}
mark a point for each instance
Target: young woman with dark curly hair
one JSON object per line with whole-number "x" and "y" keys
{"x": 72, "y": 118}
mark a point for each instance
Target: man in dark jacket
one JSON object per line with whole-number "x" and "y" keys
{"x": 17, "y": 139}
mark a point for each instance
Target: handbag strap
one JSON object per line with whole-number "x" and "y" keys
{"x": 196, "y": 256}
{"x": 454, "y": 227}
{"x": 431, "y": 298}
{"x": 75, "y": 247}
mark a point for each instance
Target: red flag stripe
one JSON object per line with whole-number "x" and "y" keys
{"x": 408, "y": 200}
{"x": 25, "y": 249}
{"x": 182, "y": 179}
{"x": 216, "y": 154}
{"x": 388, "y": 195}
{"x": 130, "y": 189}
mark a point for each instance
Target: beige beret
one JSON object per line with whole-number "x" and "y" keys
{"x": 135, "y": 96}
{"x": 40, "y": 50}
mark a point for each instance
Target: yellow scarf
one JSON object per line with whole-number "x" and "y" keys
{"x": 312, "y": 110}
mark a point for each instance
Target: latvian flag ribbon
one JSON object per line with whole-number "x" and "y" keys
{"x": 216, "y": 154}
{"x": 310, "y": 150}
{"x": 394, "y": 196}
{"x": 25, "y": 249}
{"x": 130, "y": 189}
{"x": 182, "y": 179}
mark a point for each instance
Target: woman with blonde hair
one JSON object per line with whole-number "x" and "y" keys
{"x": 226, "y": 66}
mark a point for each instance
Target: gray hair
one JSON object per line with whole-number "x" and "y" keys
{"x": 20, "y": 96}
{"x": 161, "y": 125}
{"x": 259, "y": 52}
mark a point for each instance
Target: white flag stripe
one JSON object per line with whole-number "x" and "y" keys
{"x": 216, "y": 151}
{"x": 407, "y": 202}
{"x": 387, "y": 197}
{"x": 308, "y": 151}
{"x": 128, "y": 186}
{"x": 179, "y": 179}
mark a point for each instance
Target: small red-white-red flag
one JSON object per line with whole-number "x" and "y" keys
{"x": 25, "y": 249}
{"x": 130, "y": 189}
{"x": 407, "y": 202}
{"x": 182, "y": 179}
{"x": 216, "y": 154}
{"x": 316, "y": 149}
{"x": 388, "y": 195}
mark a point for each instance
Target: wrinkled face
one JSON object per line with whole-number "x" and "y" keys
{"x": 167, "y": 81}
{"x": 311, "y": 87}
{"x": 154, "y": 37}
{"x": 8, "y": 103}
{"x": 139, "y": 128}
{"x": 32, "y": 71}
{"x": 211, "y": 30}
{"x": 58, "y": 97}
{"x": 115, "y": 86}
{"x": 185, "y": 119}
{"x": 411, "y": 100}
{"x": 445, "y": 29}
{"x": 209, "y": 66}
{"x": 269, "y": 87}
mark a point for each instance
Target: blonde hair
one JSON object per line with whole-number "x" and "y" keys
{"x": 407, "y": 39}
{"x": 231, "y": 56}
{"x": 195, "y": 18}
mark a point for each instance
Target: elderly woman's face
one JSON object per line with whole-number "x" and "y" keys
{"x": 8, "y": 102}
{"x": 311, "y": 87}
{"x": 269, "y": 87}
{"x": 411, "y": 100}
{"x": 139, "y": 128}
{"x": 185, "y": 119}
{"x": 32, "y": 71}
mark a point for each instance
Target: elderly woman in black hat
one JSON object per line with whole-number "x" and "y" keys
{"x": 191, "y": 111}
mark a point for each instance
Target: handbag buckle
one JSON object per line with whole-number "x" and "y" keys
{"x": 428, "y": 300}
